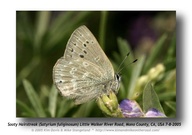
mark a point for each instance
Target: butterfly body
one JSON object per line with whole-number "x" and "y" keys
{"x": 84, "y": 72}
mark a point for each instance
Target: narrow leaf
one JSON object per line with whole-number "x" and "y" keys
{"x": 53, "y": 101}
{"x": 171, "y": 105}
{"x": 43, "y": 18}
{"x": 102, "y": 29}
{"x": 64, "y": 107}
{"x": 84, "y": 110}
{"x": 124, "y": 48}
{"x": 65, "y": 25}
{"x": 155, "y": 52}
{"x": 34, "y": 98}
{"x": 135, "y": 75}
{"x": 25, "y": 109}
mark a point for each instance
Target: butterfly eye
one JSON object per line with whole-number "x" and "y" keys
{"x": 118, "y": 77}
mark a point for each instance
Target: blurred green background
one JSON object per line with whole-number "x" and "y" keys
{"x": 41, "y": 37}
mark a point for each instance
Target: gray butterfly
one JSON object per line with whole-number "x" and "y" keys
{"x": 84, "y": 72}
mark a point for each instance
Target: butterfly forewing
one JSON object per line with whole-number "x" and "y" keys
{"x": 83, "y": 45}
{"x": 84, "y": 70}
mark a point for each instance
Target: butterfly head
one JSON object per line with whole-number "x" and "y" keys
{"x": 116, "y": 83}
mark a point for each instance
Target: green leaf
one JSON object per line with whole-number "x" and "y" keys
{"x": 84, "y": 110}
{"x": 63, "y": 26}
{"x": 138, "y": 66}
{"x": 155, "y": 52}
{"x": 35, "y": 61}
{"x": 26, "y": 111}
{"x": 171, "y": 105}
{"x": 124, "y": 48}
{"x": 171, "y": 53}
{"x": 53, "y": 101}
{"x": 150, "y": 99}
{"x": 168, "y": 95}
{"x": 43, "y": 18}
{"x": 64, "y": 107}
{"x": 102, "y": 29}
{"x": 34, "y": 99}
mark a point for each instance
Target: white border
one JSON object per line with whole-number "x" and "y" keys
{"x": 8, "y": 49}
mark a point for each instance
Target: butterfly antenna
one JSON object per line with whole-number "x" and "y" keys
{"x": 126, "y": 65}
{"x": 123, "y": 61}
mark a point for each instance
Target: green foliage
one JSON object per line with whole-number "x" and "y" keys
{"x": 150, "y": 99}
{"x": 41, "y": 39}
{"x": 137, "y": 75}
{"x": 155, "y": 52}
{"x": 34, "y": 99}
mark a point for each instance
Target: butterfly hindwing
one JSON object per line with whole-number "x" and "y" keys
{"x": 74, "y": 80}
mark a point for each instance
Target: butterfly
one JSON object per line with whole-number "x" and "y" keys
{"x": 84, "y": 72}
